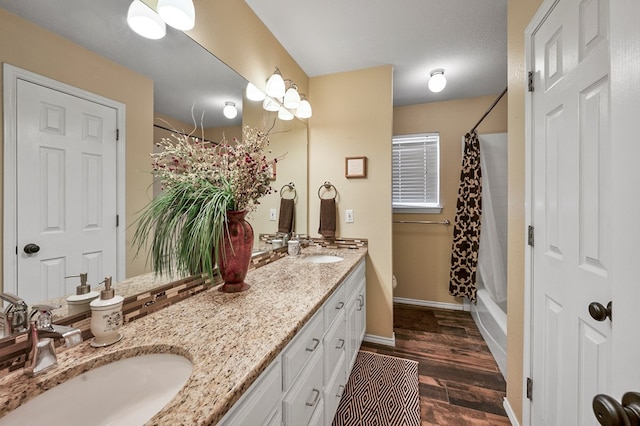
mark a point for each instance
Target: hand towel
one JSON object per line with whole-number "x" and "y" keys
{"x": 327, "y": 218}
{"x": 285, "y": 221}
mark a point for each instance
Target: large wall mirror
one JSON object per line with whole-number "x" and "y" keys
{"x": 188, "y": 83}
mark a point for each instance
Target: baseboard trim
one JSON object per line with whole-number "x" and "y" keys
{"x": 510, "y": 413}
{"x": 372, "y": 338}
{"x": 429, "y": 304}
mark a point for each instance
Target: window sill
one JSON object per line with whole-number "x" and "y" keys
{"x": 417, "y": 210}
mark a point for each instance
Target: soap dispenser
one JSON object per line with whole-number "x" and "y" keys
{"x": 106, "y": 316}
{"x": 79, "y": 302}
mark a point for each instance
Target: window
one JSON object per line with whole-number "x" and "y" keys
{"x": 416, "y": 173}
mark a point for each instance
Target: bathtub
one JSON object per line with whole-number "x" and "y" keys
{"x": 491, "y": 319}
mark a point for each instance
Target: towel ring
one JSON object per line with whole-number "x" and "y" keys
{"x": 328, "y": 186}
{"x": 291, "y": 187}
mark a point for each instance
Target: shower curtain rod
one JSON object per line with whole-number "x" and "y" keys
{"x": 489, "y": 110}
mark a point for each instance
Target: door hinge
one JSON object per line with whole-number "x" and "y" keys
{"x": 530, "y": 236}
{"x": 117, "y": 134}
{"x": 530, "y": 81}
{"x": 529, "y": 388}
{"x": 117, "y": 220}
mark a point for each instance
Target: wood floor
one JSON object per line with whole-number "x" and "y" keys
{"x": 460, "y": 383}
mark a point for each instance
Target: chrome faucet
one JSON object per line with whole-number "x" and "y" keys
{"x": 15, "y": 315}
{"x": 42, "y": 356}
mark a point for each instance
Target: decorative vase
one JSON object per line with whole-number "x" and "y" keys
{"x": 235, "y": 252}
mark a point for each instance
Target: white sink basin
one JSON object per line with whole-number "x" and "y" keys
{"x": 125, "y": 392}
{"x": 323, "y": 258}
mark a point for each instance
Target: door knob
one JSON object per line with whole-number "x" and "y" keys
{"x": 610, "y": 412}
{"x": 599, "y": 312}
{"x": 31, "y": 248}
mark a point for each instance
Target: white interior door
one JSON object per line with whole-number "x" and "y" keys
{"x": 579, "y": 185}
{"x": 66, "y": 191}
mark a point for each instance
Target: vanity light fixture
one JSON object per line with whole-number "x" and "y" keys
{"x": 180, "y": 14}
{"x": 304, "y": 109}
{"x": 270, "y": 105}
{"x": 437, "y": 82}
{"x": 285, "y": 114}
{"x": 275, "y": 85}
{"x": 145, "y": 21}
{"x": 230, "y": 110}
{"x": 292, "y": 97}
{"x": 253, "y": 93}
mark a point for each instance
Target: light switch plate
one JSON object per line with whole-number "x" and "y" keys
{"x": 272, "y": 214}
{"x": 349, "y": 216}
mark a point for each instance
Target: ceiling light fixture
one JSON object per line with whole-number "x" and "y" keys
{"x": 437, "y": 82}
{"x": 145, "y": 21}
{"x": 253, "y": 93}
{"x": 275, "y": 85}
{"x": 230, "y": 110}
{"x": 180, "y": 14}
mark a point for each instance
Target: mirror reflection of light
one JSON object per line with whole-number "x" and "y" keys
{"x": 180, "y": 14}
{"x": 253, "y": 93}
{"x": 285, "y": 114}
{"x": 230, "y": 110}
{"x": 437, "y": 82}
{"x": 145, "y": 21}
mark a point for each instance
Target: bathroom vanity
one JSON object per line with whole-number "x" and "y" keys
{"x": 279, "y": 353}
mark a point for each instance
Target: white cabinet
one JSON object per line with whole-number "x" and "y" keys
{"x": 305, "y": 382}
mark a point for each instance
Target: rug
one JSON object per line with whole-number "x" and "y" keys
{"x": 382, "y": 390}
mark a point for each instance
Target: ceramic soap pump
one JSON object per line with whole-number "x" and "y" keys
{"x": 79, "y": 302}
{"x": 106, "y": 316}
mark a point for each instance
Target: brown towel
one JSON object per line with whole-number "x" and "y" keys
{"x": 327, "y": 218}
{"x": 285, "y": 221}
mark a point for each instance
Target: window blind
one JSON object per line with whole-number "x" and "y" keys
{"x": 416, "y": 171}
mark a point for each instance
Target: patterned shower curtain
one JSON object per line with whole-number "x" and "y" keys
{"x": 466, "y": 231}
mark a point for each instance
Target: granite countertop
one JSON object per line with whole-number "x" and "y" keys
{"x": 229, "y": 338}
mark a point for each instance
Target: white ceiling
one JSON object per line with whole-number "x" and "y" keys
{"x": 467, "y": 38}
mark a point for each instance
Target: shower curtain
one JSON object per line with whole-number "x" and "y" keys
{"x": 492, "y": 269}
{"x": 466, "y": 231}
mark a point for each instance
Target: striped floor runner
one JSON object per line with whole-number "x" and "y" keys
{"x": 382, "y": 390}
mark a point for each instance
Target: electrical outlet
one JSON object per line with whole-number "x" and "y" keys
{"x": 349, "y": 216}
{"x": 272, "y": 214}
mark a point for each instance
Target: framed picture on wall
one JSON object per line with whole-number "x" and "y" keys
{"x": 355, "y": 167}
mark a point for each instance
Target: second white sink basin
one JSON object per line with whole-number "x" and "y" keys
{"x": 125, "y": 392}
{"x": 323, "y": 258}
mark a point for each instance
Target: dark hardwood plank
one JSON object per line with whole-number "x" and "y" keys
{"x": 460, "y": 383}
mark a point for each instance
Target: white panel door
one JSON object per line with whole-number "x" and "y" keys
{"x": 572, "y": 212}
{"x": 66, "y": 182}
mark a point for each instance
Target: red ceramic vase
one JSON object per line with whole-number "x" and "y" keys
{"x": 236, "y": 248}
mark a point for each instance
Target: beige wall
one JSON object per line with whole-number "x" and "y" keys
{"x": 34, "y": 49}
{"x": 422, "y": 253}
{"x": 230, "y": 30}
{"x": 353, "y": 117}
{"x": 518, "y": 16}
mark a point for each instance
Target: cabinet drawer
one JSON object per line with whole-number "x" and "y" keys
{"x": 335, "y": 343}
{"x": 261, "y": 402}
{"x": 334, "y": 305}
{"x": 307, "y": 342}
{"x": 306, "y": 393}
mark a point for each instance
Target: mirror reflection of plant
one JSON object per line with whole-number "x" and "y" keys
{"x": 200, "y": 184}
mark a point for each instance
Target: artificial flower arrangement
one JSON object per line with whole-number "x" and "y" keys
{"x": 201, "y": 181}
